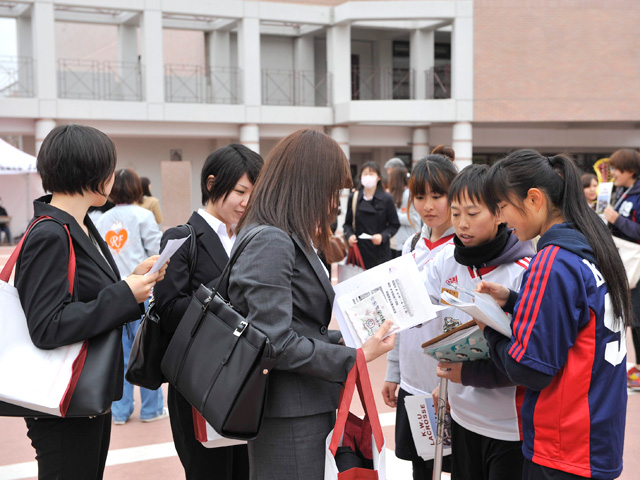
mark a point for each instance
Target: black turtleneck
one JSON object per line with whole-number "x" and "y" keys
{"x": 480, "y": 255}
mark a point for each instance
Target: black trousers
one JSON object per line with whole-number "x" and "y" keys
{"x": 201, "y": 463}
{"x": 476, "y": 457}
{"x": 70, "y": 447}
{"x": 533, "y": 471}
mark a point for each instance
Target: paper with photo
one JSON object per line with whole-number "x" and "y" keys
{"x": 393, "y": 290}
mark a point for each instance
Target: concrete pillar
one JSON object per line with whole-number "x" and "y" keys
{"x": 153, "y": 61}
{"x": 304, "y": 75}
{"x": 176, "y": 192}
{"x": 43, "y": 127}
{"x": 462, "y": 62}
{"x": 419, "y": 143}
{"x": 127, "y": 43}
{"x": 339, "y": 62}
{"x": 385, "y": 70}
{"x": 249, "y": 62}
{"x": 44, "y": 54}
{"x": 222, "y": 84}
{"x": 218, "y": 48}
{"x": 24, "y": 34}
{"x": 421, "y": 59}
{"x": 341, "y": 135}
{"x": 250, "y": 136}
{"x": 463, "y": 144}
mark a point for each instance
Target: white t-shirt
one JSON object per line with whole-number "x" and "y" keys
{"x": 492, "y": 412}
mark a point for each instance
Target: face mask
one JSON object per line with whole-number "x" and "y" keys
{"x": 368, "y": 181}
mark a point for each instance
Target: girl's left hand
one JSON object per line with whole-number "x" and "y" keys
{"x": 451, "y": 371}
{"x": 376, "y": 239}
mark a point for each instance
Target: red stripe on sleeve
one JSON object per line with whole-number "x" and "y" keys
{"x": 528, "y": 298}
{"x": 540, "y": 296}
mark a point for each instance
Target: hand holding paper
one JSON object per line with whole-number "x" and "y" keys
{"x": 170, "y": 248}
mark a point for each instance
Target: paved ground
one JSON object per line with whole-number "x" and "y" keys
{"x": 144, "y": 451}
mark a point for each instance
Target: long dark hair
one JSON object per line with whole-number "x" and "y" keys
{"x": 298, "y": 189}
{"x": 558, "y": 177}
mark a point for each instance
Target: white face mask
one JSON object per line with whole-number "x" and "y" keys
{"x": 369, "y": 181}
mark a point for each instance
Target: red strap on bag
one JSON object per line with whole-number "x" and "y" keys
{"x": 358, "y": 377}
{"x": 354, "y": 257}
{"x": 8, "y": 268}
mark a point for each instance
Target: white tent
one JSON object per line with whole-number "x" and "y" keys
{"x": 19, "y": 185}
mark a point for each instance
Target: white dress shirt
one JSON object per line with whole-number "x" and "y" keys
{"x": 220, "y": 229}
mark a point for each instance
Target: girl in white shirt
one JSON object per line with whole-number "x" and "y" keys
{"x": 407, "y": 367}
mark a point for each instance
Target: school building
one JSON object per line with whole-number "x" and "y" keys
{"x": 169, "y": 81}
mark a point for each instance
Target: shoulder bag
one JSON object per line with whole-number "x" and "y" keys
{"x": 151, "y": 340}
{"x": 219, "y": 362}
{"x": 76, "y": 380}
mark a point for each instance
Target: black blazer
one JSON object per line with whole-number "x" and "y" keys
{"x": 174, "y": 293}
{"x": 102, "y": 302}
{"x": 376, "y": 216}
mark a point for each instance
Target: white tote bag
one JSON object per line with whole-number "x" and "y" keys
{"x": 207, "y": 436}
{"x": 30, "y": 377}
{"x": 630, "y": 255}
{"x": 349, "y": 428}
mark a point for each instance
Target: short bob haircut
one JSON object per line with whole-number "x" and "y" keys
{"x": 626, "y": 160}
{"x": 228, "y": 164}
{"x": 470, "y": 182}
{"x": 298, "y": 190}
{"x": 75, "y": 159}
{"x": 127, "y": 187}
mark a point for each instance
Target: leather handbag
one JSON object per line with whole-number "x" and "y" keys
{"x": 151, "y": 340}
{"x": 96, "y": 384}
{"x": 219, "y": 362}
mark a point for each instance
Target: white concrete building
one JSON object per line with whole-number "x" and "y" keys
{"x": 171, "y": 80}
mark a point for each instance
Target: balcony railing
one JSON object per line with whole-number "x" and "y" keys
{"x": 295, "y": 87}
{"x": 94, "y": 80}
{"x": 197, "y": 84}
{"x": 16, "y": 77}
{"x": 368, "y": 83}
{"x": 438, "y": 81}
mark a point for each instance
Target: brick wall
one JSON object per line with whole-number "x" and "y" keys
{"x": 556, "y": 60}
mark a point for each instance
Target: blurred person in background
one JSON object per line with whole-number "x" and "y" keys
{"x": 132, "y": 234}
{"x": 590, "y": 187}
{"x": 4, "y": 224}
{"x": 376, "y": 218}
{"x": 398, "y": 181}
{"x": 148, "y": 201}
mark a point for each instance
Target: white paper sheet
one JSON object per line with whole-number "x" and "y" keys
{"x": 358, "y": 305}
{"x": 423, "y": 421}
{"x": 170, "y": 248}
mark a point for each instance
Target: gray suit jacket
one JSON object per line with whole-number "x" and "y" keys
{"x": 285, "y": 292}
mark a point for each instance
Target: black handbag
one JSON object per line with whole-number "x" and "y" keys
{"x": 219, "y": 362}
{"x": 151, "y": 340}
{"x": 97, "y": 384}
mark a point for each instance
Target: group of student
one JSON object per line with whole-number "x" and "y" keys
{"x": 551, "y": 401}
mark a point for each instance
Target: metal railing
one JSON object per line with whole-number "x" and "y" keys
{"x": 94, "y": 80}
{"x": 438, "y": 80}
{"x": 197, "y": 84}
{"x": 295, "y": 87}
{"x": 16, "y": 77}
{"x": 368, "y": 83}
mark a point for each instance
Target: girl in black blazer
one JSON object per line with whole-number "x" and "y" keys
{"x": 76, "y": 163}
{"x": 375, "y": 214}
{"x": 227, "y": 179}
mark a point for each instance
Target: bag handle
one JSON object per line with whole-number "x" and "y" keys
{"x": 354, "y": 257}
{"x": 8, "y": 268}
{"x": 235, "y": 254}
{"x": 358, "y": 377}
{"x": 354, "y": 207}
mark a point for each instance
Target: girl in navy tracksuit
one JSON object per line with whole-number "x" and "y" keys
{"x": 624, "y": 220}
{"x": 567, "y": 345}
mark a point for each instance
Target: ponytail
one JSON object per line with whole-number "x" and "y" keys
{"x": 558, "y": 177}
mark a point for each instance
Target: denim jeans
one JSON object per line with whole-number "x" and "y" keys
{"x": 152, "y": 400}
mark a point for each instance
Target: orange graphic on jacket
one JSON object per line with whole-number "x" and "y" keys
{"x": 116, "y": 237}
